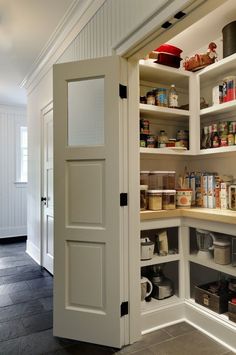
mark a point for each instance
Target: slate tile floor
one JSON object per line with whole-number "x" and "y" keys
{"x": 26, "y": 318}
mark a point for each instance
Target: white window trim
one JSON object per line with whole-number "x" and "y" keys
{"x": 19, "y": 182}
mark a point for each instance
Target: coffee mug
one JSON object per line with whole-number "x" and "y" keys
{"x": 146, "y": 288}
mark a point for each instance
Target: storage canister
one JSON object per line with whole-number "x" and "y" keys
{"x": 144, "y": 177}
{"x": 183, "y": 198}
{"x": 143, "y": 197}
{"x": 222, "y": 251}
{"x": 154, "y": 200}
{"x": 168, "y": 199}
{"x": 229, "y": 43}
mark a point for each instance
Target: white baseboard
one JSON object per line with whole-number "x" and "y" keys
{"x": 33, "y": 251}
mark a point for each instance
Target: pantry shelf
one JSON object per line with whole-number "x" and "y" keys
{"x": 218, "y": 109}
{"x": 218, "y": 150}
{"x": 219, "y": 69}
{"x": 222, "y": 318}
{"x": 159, "y": 260}
{"x": 154, "y": 304}
{"x": 169, "y": 150}
{"x": 227, "y": 269}
{"x": 154, "y": 72}
{"x": 159, "y": 112}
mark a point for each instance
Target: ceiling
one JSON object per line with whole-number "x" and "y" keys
{"x": 25, "y": 28}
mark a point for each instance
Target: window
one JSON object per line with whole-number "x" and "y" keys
{"x": 22, "y": 155}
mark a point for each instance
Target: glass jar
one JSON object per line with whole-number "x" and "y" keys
{"x": 169, "y": 199}
{"x": 151, "y": 100}
{"x": 161, "y": 97}
{"x": 144, "y": 177}
{"x": 162, "y": 139}
{"x": 159, "y": 180}
{"x": 143, "y": 197}
{"x": 154, "y": 200}
{"x": 222, "y": 253}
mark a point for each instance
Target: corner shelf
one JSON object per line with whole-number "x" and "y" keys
{"x": 218, "y": 69}
{"x": 152, "y": 111}
{"x": 226, "y": 269}
{"x": 154, "y": 305}
{"x": 169, "y": 150}
{"x": 219, "y": 150}
{"x": 218, "y": 109}
{"x": 159, "y": 260}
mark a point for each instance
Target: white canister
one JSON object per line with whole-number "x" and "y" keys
{"x": 222, "y": 251}
{"x": 146, "y": 249}
{"x": 183, "y": 198}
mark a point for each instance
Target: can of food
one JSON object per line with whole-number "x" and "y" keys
{"x": 144, "y": 126}
{"x": 151, "y": 142}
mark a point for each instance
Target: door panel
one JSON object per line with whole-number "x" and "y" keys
{"x": 47, "y": 189}
{"x": 89, "y": 222}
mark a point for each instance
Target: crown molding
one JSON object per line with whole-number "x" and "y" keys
{"x": 77, "y": 16}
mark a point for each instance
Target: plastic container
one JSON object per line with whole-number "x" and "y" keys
{"x": 154, "y": 200}
{"x": 222, "y": 252}
{"x": 143, "y": 197}
{"x": 144, "y": 177}
{"x": 162, "y": 139}
{"x": 173, "y": 97}
{"x": 159, "y": 180}
{"x": 169, "y": 199}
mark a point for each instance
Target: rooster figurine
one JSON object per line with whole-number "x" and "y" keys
{"x": 199, "y": 61}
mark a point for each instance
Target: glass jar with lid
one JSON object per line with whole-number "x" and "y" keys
{"x": 143, "y": 197}
{"x": 154, "y": 200}
{"x": 169, "y": 199}
{"x": 162, "y": 139}
{"x": 151, "y": 99}
{"x": 144, "y": 177}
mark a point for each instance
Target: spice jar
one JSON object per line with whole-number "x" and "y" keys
{"x": 151, "y": 100}
{"x": 222, "y": 251}
{"x": 168, "y": 199}
{"x": 154, "y": 200}
{"x": 143, "y": 197}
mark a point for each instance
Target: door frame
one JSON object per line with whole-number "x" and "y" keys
{"x": 46, "y": 109}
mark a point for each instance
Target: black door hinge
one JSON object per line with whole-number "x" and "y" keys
{"x": 123, "y": 91}
{"x": 123, "y": 199}
{"x": 124, "y": 308}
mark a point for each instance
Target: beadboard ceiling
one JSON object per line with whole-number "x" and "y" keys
{"x": 25, "y": 28}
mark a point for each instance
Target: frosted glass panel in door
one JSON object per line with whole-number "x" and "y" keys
{"x": 86, "y": 112}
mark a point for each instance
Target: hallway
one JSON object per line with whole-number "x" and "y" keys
{"x": 26, "y": 318}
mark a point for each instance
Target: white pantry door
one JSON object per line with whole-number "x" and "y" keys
{"x": 47, "y": 189}
{"x": 88, "y": 180}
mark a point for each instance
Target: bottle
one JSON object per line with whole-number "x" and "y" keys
{"x": 215, "y": 138}
{"x": 173, "y": 97}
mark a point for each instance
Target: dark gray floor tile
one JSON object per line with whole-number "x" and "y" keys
{"x": 19, "y": 310}
{"x": 38, "y": 322}
{"x": 14, "y": 287}
{"x": 146, "y": 351}
{"x": 39, "y": 343}
{"x": 47, "y": 303}
{"x": 194, "y": 343}
{"x": 84, "y": 349}
{"x": 10, "y": 347}
{"x": 5, "y": 300}
{"x": 20, "y": 277}
{"x": 46, "y": 282}
{"x": 11, "y": 263}
{"x": 146, "y": 340}
{"x": 11, "y": 330}
{"x": 30, "y": 294}
{"x": 179, "y": 329}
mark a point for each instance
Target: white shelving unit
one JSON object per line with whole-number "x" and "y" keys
{"x": 156, "y": 313}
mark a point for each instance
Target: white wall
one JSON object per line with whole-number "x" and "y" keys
{"x": 13, "y": 210}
